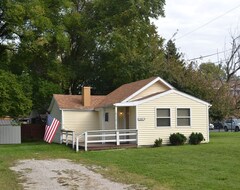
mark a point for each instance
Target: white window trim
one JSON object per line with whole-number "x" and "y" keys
{"x": 155, "y": 118}
{"x": 184, "y": 117}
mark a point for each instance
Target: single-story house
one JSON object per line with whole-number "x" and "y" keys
{"x": 152, "y": 107}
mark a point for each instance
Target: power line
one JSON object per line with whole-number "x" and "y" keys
{"x": 186, "y": 34}
{"x": 209, "y": 55}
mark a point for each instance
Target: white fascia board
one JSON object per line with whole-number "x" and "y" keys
{"x": 136, "y": 103}
{"x": 166, "y": 83}
{"x": 148, "y": 85}
{"x": 192, "y": 98}
{"x": 173, "y": 91}
{"x": 127, "y": 104}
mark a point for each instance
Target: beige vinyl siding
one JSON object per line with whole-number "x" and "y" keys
{"x": 56, "y": 113}
{"x": 81, "y": 121}
{"x": 147, "y": 129}
{"x": 101, "y": 119}
{"x": 132, "y": 117}
{"x": 110, "y": 125}
{"x": 155, "y": 88}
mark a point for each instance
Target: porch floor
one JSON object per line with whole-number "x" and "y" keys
{"x": 105, "y": 146}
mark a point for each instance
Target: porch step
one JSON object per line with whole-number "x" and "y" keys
{"x": 106, "y": 146}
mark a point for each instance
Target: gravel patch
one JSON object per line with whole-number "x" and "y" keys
{"x": 62, "y": 174}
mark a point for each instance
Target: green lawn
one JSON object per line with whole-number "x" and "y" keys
{"x": 207, "y": 166}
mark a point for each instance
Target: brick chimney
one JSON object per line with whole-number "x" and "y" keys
{"x": 86, "y": 96}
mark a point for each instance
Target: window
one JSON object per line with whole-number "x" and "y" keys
{"x": 106, "y": 117}
{"x": 183, "y": 117}
{"x": 163, "y": 117}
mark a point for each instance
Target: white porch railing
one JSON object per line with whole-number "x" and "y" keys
{"x": 67, "y": 134}
{"x": 107, "y": 136}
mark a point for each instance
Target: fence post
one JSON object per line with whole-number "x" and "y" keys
{"x": 136, "y": 137}
{"x": 117, "y": 136}
{"x": 66, "y": 137}
{"x": 86, "y": 138}
{"x": 77, "y": 147}
{"x": 61, "y": 137}
{"x": 73, "y": 139}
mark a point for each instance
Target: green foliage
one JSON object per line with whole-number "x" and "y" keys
{"x": 157, "y": 142}
{"x": 113, "y": 23}
{"x": 196, "y": 138}
{"x": 13, "y": 101}
{"x": 75, "y": 43}
{"x": 177, "y": 139}
{"x": 42, "y": 94}
{"x": 171, "y": 52}
{"x": 211, "y": 71}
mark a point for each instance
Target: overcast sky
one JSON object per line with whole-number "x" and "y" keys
{"x": 188, "y": 15}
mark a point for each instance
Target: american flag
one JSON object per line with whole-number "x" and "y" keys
{"x": 50, "y": 128}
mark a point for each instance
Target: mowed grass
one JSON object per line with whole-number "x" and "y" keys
{"x": 215, "y": 165}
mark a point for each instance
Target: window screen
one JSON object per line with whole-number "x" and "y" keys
{"x": 163, "y": 117}
{"x": 183, "y": 117}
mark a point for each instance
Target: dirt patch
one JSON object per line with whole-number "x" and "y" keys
{"x": 62, "y": 174}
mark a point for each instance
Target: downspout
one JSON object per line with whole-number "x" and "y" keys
{"x": 208, "y": 107}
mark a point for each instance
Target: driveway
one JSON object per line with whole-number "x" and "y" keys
{"x": 62, "y": 174}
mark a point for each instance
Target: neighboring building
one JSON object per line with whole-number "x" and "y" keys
{"x": 151, "y": 106}
{"x": 9, "y": 132}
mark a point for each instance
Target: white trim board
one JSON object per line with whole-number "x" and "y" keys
{"x": 135, "y": 103}
{"x": 158, "y": 79}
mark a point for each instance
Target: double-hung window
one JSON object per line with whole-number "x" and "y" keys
{"x": 163, "y": 117}
{"x": 183, "y": 117}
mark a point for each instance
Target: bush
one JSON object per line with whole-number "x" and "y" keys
{"x": 177, "y": 139}
{"x": 195, "y": 138}
{"x": 157, "y": 142}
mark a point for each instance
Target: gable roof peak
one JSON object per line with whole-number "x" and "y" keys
{"x": 129, "y": 90}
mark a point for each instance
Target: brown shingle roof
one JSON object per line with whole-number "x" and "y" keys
{"x": 117, "y": 96}
{"x": 124, "y": 92}
{"x": 75, "y": 101}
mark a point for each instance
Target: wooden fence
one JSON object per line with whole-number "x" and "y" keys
{"x": 10, "y": 134}
{"x": 32, "y": 132}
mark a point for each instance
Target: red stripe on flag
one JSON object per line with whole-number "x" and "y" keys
{"x": 50, "y": 131}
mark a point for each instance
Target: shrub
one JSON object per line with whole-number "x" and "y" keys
{"x": 195, "y": 138}
{"x": 157, "y": 142}
{"x": 177, "y": 139}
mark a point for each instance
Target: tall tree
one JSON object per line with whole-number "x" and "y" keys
{"x": 232, "y": 63}
{"x": 13, "y": 101}
{"x": 71, "y": 43}
{"x": 172, "y": 67}
{"x": 115, "y": 41}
